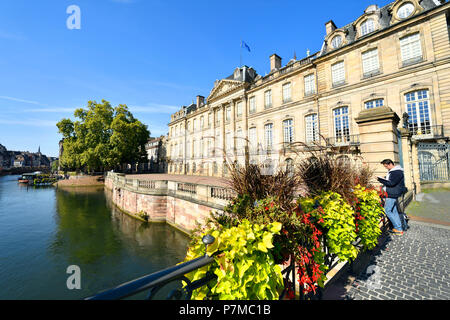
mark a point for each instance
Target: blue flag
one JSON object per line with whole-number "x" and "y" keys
{"x": 244, "y": 45}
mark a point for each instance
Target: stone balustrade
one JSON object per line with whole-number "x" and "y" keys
{"x": 180, "y": 204}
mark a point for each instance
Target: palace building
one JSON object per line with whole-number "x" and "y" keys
{"x": 391, "y": 60}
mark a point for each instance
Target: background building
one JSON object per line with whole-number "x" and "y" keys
{"x": 394, "y": 60}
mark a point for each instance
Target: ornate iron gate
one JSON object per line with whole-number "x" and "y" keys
{"x": 434, "y": 164}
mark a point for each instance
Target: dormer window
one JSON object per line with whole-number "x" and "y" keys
{"x": 367, "y": 27}
{"x": 336, "y": 42}
{"x": 405, "y": 10}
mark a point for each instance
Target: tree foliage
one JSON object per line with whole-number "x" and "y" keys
{"x": 102, "y": 138}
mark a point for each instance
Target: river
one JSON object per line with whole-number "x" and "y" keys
{"x": 43, "y": 231}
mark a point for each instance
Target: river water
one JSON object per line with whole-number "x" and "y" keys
{"x": 43, "y": 231}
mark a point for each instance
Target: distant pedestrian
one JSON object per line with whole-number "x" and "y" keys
{"x": 394, "y": 185}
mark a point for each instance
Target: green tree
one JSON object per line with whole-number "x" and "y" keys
{"x": 103, "y": 138}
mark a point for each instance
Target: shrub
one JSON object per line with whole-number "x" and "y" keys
{"x": 244, "y": 265}
{"x": 336, "y": 217}
{"x": 368, "y": 211}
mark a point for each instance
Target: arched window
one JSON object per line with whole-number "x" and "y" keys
{"x": 367, "y": 27}
{"x": 374, "y": 103}
{"x": 336, "y": 42}
{"x": 288, "y": 131}
{"x": 312, "y": 128}
{"x": 418, "y": 108}
{"x": 341, "y": 125}
{"x": 405, "y": 10}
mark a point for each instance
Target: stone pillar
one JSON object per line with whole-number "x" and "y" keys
{"x": 233, "y": 127}
{"x": 245, "y": 131}
{"x": 223, "y": 110}
{"x": 378, "y": 137}
{"x": 415, "y": 166}
{"x": 407, "y": 158}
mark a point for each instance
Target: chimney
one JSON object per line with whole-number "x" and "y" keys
{"x": 330, "y": 27}
{"x": 275, "y": 62}
{"x": 200, "y": 101}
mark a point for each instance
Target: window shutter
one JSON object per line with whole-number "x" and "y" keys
{"x": 370, "y": 61}
{"x": 338, "y": 72}
{"x": 410, "y": 47}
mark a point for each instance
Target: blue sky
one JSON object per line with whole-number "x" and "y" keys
{"x": 151, "y": 55}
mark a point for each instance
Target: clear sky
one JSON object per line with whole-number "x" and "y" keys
{"x": 152, "y": 55}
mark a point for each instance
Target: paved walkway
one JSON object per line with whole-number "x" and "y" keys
{"x": 415, "y": 266}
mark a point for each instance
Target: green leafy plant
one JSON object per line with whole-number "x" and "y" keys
{"x": 336, "y": 217}
{"x": 368, "y": 211}
{"x": 244, "y": 265}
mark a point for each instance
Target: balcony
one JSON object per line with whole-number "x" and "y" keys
{"x": 427, "y": 132}
{"x": 345, "y": 140}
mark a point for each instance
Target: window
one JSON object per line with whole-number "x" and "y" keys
{"x": 367, "y": 27}
{"x": 341, "y": 125}
{"x": 268, "y": 138}
{"x": 239, "y": 109}
{"x": 202, "y": 148}
{"x": 418, "y": 108}
{"x": 287, "y": 92}
{"x": 188, "y": 149}
{"x": 370, "y": 62}
{"x": 228, "y": 114}
{"x": 268, "y": 99}
{"x": 252, "y": 103}
{"x": 180, "y": 150}
{"x": 405, "y": 10}
{"x": 374, "y": 103}
{"x": 411, "y": 48}
{"x": 338, "y": 73}
{"x": 218, "y": 116}
{"x": 288, "y": 131}
{"x": 194, "y": 146}
{"x": 228, "y": 144}
{"x": 253, "y": 142}
{"x": 239, "y": 142}
{"x": 209, "y": 119}
{"x": 312, "y": 131}
{"x": 336, "y": 42}
{"x": 194, "y": 125}
{"x": 310, "y": 85}
{"x": 202, "y": 122}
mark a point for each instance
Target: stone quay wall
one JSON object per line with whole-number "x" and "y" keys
{"x": 180, "y": 204}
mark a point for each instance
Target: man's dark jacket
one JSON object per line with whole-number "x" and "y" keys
{"x": 395, "y": 182}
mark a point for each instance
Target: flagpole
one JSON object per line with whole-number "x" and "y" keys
{"x": 240, "y": 61}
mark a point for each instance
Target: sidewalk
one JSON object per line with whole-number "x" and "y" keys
{"x": 432, "y": 206}
{"x": 415, "y": 266}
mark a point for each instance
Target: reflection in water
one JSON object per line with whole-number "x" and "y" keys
{"x": 46, "y": 230}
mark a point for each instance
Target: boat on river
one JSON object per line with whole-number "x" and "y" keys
{"x": 37, "y": 179}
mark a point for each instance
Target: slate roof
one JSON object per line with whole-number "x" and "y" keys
{"x": 385, "y": 18}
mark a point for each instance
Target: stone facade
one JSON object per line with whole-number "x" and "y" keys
{"x": 397, "y": 56}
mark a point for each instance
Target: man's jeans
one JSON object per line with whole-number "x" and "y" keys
{"x": 390, "y": 207}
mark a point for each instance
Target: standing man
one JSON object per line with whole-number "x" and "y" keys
{"x": 395, "y": 187}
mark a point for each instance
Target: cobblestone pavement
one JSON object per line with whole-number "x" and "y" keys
{"x": 415, "y": 266}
